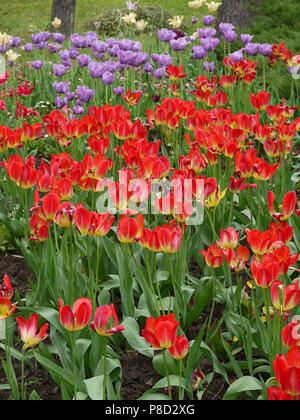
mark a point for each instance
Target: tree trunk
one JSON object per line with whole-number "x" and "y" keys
{"x": 65, "y": 11}
{"x": 237, "y": 12}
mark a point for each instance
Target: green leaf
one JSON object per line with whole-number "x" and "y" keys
{"x": 244, "y": 384}
{"x": 133, "y": 336}
{"x": 94, "y": 387}
{"x": 202, "y": 296}
{"x": 126, "y": 281}
{"x": 60, "y": 373}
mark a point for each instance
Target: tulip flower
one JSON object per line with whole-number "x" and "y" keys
{"x": 228, "y": 238}
{"x": 106, "y": 321}
{"x": 50, "y": 206}
{"x": 288, "y": 205}
{"x": 132, "y": 98}
{"x": 78, "y": 317}
{"x": 287, "y": 371}
{"x": 260, "y": 101}
{"x": 162, "y": 332}
{"x": 290, "y": 334}
{"x": 6, "y": 291}
{"x": 180, "y": 348}
{"x": 285, "y": 259}
{"x": 129, "y": 229}
{"x": 6, "y": 308}
{"x": 28, "y": 331}
{"x": 213, "y": 256}
{"x": 261, "y": 243}
{"x": 282, "y": 231}
{"x": 265, "y": 272}
{"x": 276, "y": 394}
{"x": 238, "y": 261}
{"x": 175, "y": 73}
{"x": 285, "y": 298}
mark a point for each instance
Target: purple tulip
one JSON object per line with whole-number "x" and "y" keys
{"x": 119, "y": 90}
{"x": 73, "y": 53}
{"x": 99, "y": 46}
{"x": 60, "y": 102}
{"x": 54, "y": 48}
{"x": 252, "y": 48}
{"x": 148, "y": 68}
{"x": 28, "y": 47}
{"x": 265, "y": 49}
{"x": 61, "y": 87}
{"x": 209, "y": 44}
{"x": 225, "y": 27}
{"x": 165, "y": 35}
{"x": 208, "y": 20}
{"x": 70, "y": 96}
{"x": 159, "y": 73}
{"x": 209, "y": 67}
{"x": 199, "y": 52}
{"x": 230, "y": 36}
{"x": 37, "y": 65}
{"x": 179, "y": 44}
{"x": 15, "y": 42}
{"x": 85, "y": 94}
{"x": 108, "y": 78}
{"x": 59, "y": 38}
{"x": 246, "y": 38}
{"x": 237, "y": 55}
{"x": 84, "y": 60}
{"x": 206, "y": 32}
{"x": 194, "y": 20}
{"x": 163, "y": 60}
{"x": 59, "y": 70}
{"x": 78, "y": 110}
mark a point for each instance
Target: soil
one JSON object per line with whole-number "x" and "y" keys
{"x": 138, "y": 374}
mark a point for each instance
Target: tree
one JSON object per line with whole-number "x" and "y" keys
{"x": 65, "y": 11}
{"x": 237, "y": 12}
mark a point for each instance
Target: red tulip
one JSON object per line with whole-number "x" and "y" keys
{"x": 28, "y": 331}
{"x": 238, "y": 261}
{"x": 290, "y": 334}
{"x": 276, "y": 394}
{"x": 282, "y": 231}
{"x": 65, "y": 216}
{"x": 260, "y": 101}
{"x": 287, "y": 371}
{"x": 175, "y": 73}
{"x": 106, "y": 321}
{"x": 6, "y": 308}
{"x": 132, "y": 98}
{"x": 129, "y": 229}
{"x": 6, "y": 291}
{"x": 50, "y": 206}
{"x": 288, "y": 205}
{"x": 180, "y": 348}
{"x": 78, "y": 317}
{"x": 228, "y": 238}
{"x": 213, "y": 256}
{"x": 285, "y": 259}
{"x": 285, "y": 298}
{"x": 265, "y": 272}
{"x": 261, "y": 243}
{"x": 162, "y": 332}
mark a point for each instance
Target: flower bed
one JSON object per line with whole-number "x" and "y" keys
{"x": 153, "y": 196}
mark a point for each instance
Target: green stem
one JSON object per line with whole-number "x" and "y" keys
{"x": 180, "y": 375}
{"x": 74, "y": 365}
{"x": 105, "y": 368}
{"x": 167, "y": 373}
{"x": 22, "y": 378}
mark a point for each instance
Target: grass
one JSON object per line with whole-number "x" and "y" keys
{"x": 24, "y": 17}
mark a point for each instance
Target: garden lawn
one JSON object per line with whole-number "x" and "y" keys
{"x": 20, "y": 20}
